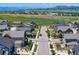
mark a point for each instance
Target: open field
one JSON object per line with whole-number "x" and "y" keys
{"x": 39, "y": 19}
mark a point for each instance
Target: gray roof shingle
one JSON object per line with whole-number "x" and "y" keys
{"x": 14, "y": 34}
{"x": 6, "y": 42}
{"x": 76, "y": 49}
{"x": 63, "y": 28}
{"x": 2, "y": 27}
{"x": 24, "y": 29}
{"x": 1, "y": 52}
{"x": 3, "y": 22}
{"x": 71, "y": 36}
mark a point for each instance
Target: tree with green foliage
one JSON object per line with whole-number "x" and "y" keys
{"x": 48, "y": 33}
{"x": 51, "y": 46}
{"x": 60, "y": 35}
{"x": 30, "y": 44}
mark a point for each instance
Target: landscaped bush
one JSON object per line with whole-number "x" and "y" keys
{"x": 35, "y": 32}
{"x": 33, "y": 53}
{"x": 35, "y": 48}
{"x": 53, "y": 52}
{"x": 51, "y": 46}
{"x": 48, "y": 33}
{"x": 58, "y": 46}
{"x": 30, "y": 44}
{"x": 60, "y": 35}
{"x": 53, "y": 34}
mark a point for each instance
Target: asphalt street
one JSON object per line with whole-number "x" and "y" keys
{"x": 43, "y": 42}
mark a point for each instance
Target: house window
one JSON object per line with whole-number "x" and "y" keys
{"x": 70, "y": 40}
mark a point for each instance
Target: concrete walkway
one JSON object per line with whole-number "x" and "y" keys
{"x": 34, "y": 43}
{"x": 43, "y": 42}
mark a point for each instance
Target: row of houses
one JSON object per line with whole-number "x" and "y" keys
{"x": 14, "y": 36}
{"x": 70, "y": 35}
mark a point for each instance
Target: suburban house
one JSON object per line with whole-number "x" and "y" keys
{"x": 76, "y": 24}
{"x": 28, "y": 30}
{"x": 16, "y": 36}
{"x": 64, "y": 29}
{"x": 19, "y": 38}
{"x": 57, "y": 25}
{"x": 3, "y": 22}
{"x": 10, "y": 41}
{"x": 3, "y": 26}
{"x": 17, "y": 24}
{"x": 71, "y": 39}
{"x": 30, "y": 24}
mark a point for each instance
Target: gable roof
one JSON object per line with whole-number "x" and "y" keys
{"x": 17, "y": 24}
{"x": 63, "y": 28}
{"x": 62, "y": 24}
{"x": 6, "y": 42}
{"x": 3, "y": 27}
{"x": 30, "y": 24}
{"x": 3, "y": 22}
{"x": 71, "y": 36}
{"x": 24, "y": 28}
{"x": 69, "y": 30}
{"x": 14, "y": 34}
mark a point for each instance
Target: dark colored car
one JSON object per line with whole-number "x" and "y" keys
{"x": 40, "y": 35}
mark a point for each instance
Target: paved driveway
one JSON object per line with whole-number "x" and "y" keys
{"x": 43, "y": 42}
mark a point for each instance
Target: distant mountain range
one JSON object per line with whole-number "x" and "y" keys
{"x": 53, "y": 8}
{"x": 66, "y": 8}
{"x": 11, "y": 8}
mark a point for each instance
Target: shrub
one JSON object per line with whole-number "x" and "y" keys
{"x": 53, "y": 52}
{"x": 51, "y": 46}
{"x": 48, "y": 33}
{"x": 30, "y": 44}
{"x": 35, "y": 48}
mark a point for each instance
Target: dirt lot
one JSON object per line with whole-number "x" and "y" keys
{"x": 42, "y": 16}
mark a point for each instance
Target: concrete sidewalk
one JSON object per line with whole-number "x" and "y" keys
{"x": 34, "y": 43}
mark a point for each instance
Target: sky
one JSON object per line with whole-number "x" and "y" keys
{"x": 37, "y": 5}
